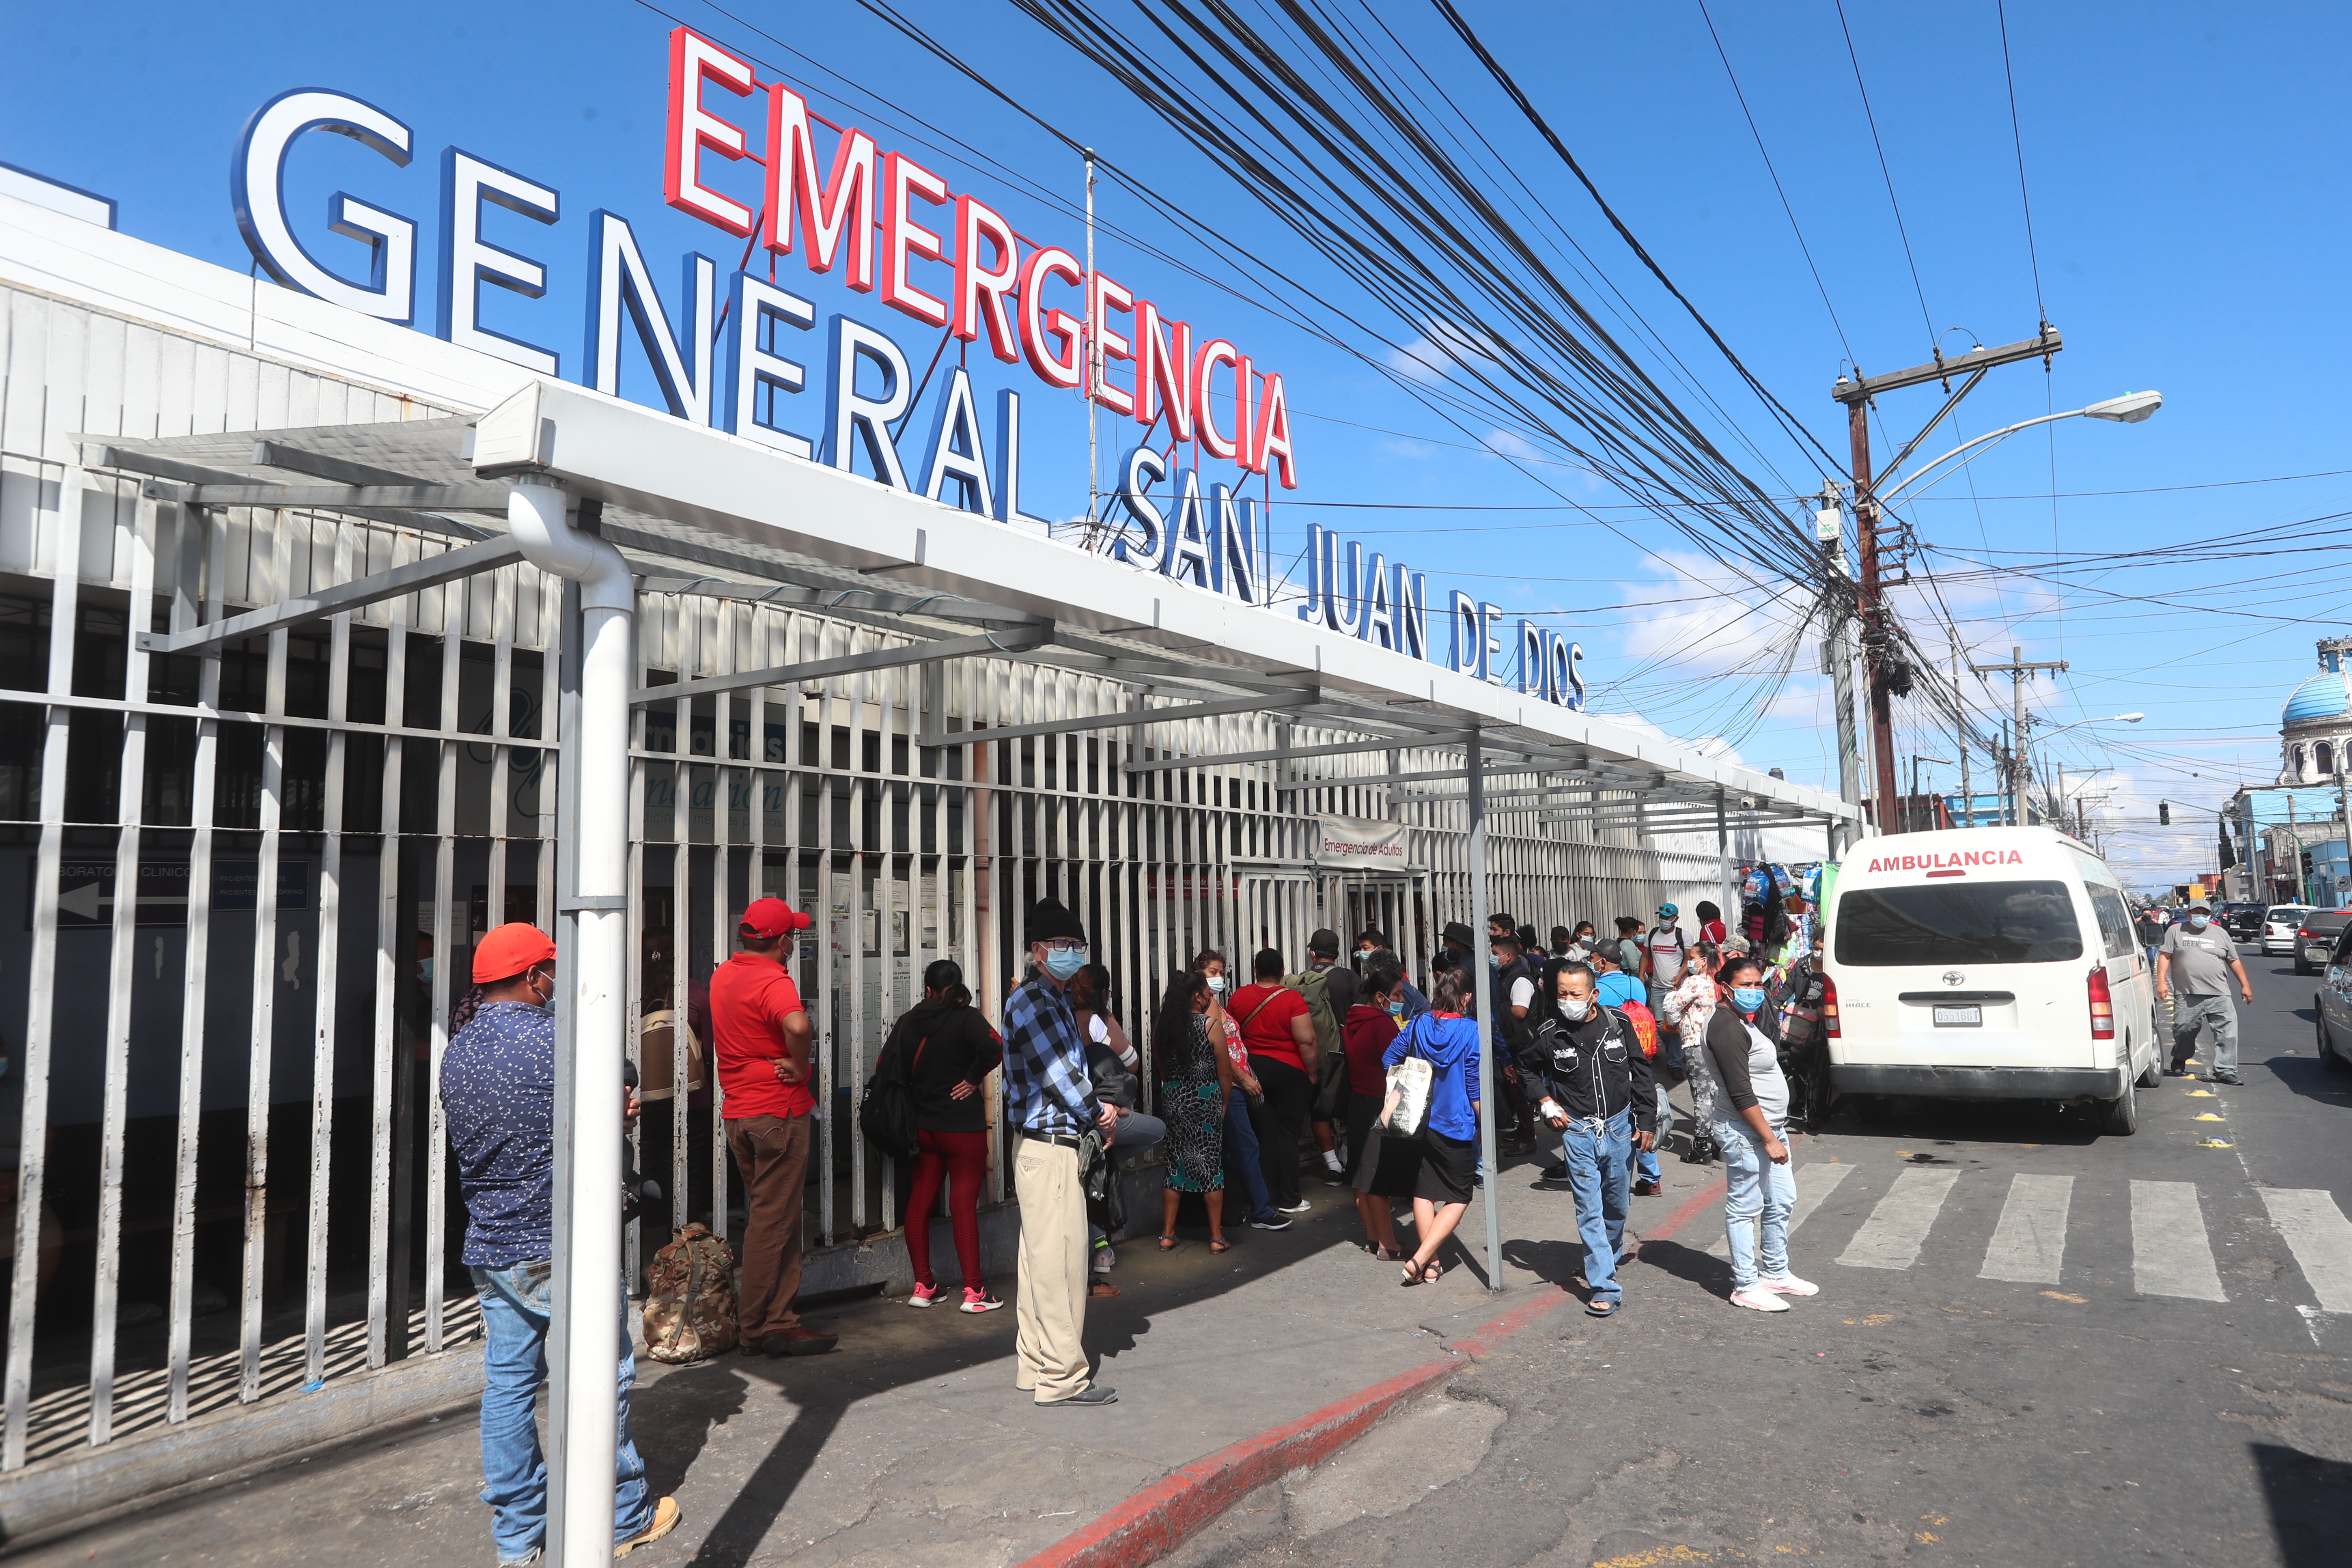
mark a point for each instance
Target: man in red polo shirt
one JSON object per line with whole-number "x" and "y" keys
{"x": 760, "y": 1043}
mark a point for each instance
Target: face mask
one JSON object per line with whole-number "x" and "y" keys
{"x": 1493, "y": 961}
{"x": 1396, "y": 1010}
{"x": 1062, "y": 963}
{"x": 1574, "y": 1009}
{"x": 425, "y": 971}
{"x": 2199, "y": 923}
{"x": 1748, "y": 998}
{"x": 1217, "y": 985}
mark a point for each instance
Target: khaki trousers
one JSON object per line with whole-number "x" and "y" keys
{"x": 773, "y": 1154}
{"x": 1051, "y": 1313}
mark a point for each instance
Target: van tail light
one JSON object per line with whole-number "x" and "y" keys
{"x": 1829, "y": 1009}
{"x": 2102, "y": 1005}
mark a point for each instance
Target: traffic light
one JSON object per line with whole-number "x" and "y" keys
{"x": 2164, "y": 812}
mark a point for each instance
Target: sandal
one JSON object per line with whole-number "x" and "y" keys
{"x": 1100, "y": 1289}
{"x": 1412, "y": 1274}
{"x": 1600, "y": 1309}
{"x": 1167, "y": 1243}
{"x": 1219, "y": 1244}
{"x": 1431, "y": 1270}
{"x": 1389, "y": 1255}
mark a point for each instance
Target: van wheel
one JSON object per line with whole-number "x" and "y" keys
{"x": 2153, "y": 1074}
{"x": 2122, "y": 1113}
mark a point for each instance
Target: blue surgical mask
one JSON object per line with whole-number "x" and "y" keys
{"x": 425, "y": 971}
{"x": 1748, "y": 998}
{"x": 2199, "y": 923}
{"x": 1396, "y": 1010}
{"x": 1061, "y": 962}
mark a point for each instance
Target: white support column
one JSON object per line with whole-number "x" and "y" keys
{"x": 591, "y": 987}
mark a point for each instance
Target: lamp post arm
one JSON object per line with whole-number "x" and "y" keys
{"x": 1887, "y": 497}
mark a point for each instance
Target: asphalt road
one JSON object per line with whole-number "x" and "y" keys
{"x": 2167, "y": 1384}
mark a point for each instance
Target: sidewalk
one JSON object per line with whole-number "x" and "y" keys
{"x": 910, "y": 1437}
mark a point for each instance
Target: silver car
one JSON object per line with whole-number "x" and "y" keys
{"x": 2279, "y": 923}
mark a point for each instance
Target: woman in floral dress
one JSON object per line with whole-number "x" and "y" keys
{"x": 1196, "y": 1073}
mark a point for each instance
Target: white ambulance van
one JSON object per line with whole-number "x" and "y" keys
{"x": 1987, "y": 963}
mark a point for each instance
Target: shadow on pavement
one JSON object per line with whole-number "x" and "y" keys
{"x": 2311, "y": 1504}
{"x": 885, "y": 1346}
{"x": 1961, "y": 1120}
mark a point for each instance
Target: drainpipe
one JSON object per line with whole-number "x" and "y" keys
{"x": 593, "y": 897}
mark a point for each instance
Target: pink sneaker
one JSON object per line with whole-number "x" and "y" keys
{"x": 976, "y": 1298}
{"x": 926, "y": 1296}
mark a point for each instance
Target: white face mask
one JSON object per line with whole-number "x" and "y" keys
{"x": 1217, "y": 985}
{"x": 1574, "y": 1009}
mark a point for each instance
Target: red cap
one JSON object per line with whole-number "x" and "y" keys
{"x": 509, "y": 950}
{"x": 768, "y": 919}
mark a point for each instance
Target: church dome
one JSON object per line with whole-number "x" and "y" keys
{"x": 2327, "y": 695}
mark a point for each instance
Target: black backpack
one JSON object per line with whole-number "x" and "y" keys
{"x": 885, "y": 1111}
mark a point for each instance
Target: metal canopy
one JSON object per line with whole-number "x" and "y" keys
{"x": 682, "y": 502}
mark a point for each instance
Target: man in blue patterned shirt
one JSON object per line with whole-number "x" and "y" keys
{"x": 498, "y": 1094}
{"x": 1049, "y": 1097}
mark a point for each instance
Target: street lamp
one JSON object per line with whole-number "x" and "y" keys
{"x": 2024, "y": 763}
{"x": 2130, "y": 409}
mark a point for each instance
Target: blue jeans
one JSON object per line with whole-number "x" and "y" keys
{"x": 515, "y": 1308}
{"x": 1600, "y": 1174}
{"x": 1240, "y": 1154}
{"x": 1754, "y": 1188}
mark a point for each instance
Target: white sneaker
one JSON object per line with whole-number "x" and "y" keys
{"x": 1301, "y": 1207}
{"x": 1756, "y": 1298}
{"x": 1788, "y": 1285}
{"x": 1105, "y": 1260}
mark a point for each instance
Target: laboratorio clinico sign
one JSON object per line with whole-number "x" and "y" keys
{"x": 948, "y": 260}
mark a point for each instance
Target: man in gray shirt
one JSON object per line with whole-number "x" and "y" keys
{"x": 2200, "y": 955}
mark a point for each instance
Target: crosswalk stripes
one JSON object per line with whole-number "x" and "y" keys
{"x": 2171, "y": 1254}
{"x": 1814, "y": 1182}
{"x": 1892, "y": 1236}
{"x": 2321, "y": 1240}
{"x": 2172, "y": 1251}
{"x": 2029, "y": 1245}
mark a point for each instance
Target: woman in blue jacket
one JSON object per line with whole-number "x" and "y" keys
{"x": 1448, "y": 1041}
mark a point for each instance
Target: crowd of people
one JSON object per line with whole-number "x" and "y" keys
{"x": 1355, "y": 1072}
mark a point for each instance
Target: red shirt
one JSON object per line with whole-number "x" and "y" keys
{"x": 750, "y": 997}
{"x": 1712, "y": 931}
{"x": 1365, "y": 1038}
{"x": 1264, "y": 1013}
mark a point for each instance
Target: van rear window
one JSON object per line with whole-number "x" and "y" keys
{"x": 1966, "y": 923}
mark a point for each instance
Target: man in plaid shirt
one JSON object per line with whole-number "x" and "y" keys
{"x": 1050, "y": 1099}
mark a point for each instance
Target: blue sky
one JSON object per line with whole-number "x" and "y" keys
{"x": 2188, "y": 217}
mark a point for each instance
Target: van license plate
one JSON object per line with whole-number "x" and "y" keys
{"x": 1960, "y": 1018}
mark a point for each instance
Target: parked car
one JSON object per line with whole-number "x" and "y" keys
{"x": 2279, "y": 924}
{"x": 2331, "y": 1006}
{"x": 2244, "y": 921}
{"x": 2315, "y": 938}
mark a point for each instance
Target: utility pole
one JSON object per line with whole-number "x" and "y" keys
{"x": 1877, "y": 652}
{"x": 1967, "y": 782}
{"x": 2018, "y": 672}
{"x": 1837, "y": 649}
{"x": 2344, "y": 804}
{"x": 1918, "y": 801}
{"x": 1870, "y": 608}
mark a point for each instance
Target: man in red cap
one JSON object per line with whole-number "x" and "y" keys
{"x": 498, "y": 1094}
{"x": 760, "y": 1041}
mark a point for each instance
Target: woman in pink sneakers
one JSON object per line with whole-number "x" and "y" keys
{"x": 1740, "y": 1096}
{"x": 951, "y": 1051}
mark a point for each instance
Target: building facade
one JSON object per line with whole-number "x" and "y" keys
{"x": 252, "y": 880}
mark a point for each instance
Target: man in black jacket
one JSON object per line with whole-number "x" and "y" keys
{"x": 1586, "y": 1056}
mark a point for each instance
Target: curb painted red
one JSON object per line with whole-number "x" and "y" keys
{"x": 1710, "y": 1193}
{"x": 1156, "y": 1521}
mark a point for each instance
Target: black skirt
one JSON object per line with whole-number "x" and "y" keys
{"x": 1448, "y": 1166}
{"x": 1362, "y": 1111}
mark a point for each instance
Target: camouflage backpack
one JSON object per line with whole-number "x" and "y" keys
{"x": 690, "y": 1298}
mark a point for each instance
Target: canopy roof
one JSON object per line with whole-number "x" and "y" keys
{"x": 696, "y": 510}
